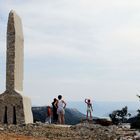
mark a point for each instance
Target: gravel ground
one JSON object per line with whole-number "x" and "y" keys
{"x": 82, "y": 131}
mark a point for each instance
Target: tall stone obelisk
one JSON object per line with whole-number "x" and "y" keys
{"x": 14, "y": 107}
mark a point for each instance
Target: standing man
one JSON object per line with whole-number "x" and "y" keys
{"x": 54, "y": 110}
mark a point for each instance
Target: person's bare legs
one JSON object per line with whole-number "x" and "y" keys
{"x": 59, "y": 118}
{"x": 62, "y": 118}
{"x": 87, "y": 115}
{"x": 90, "y": 115}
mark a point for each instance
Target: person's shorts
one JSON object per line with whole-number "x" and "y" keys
{"x": 89, "y": 110}
{"x": 60, "y": 111}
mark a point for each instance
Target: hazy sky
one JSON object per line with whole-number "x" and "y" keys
{"x": 77, "y": 48}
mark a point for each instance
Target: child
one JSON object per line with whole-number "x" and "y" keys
{"x": 49, "y": 115}
{"x": 89, "y": 108}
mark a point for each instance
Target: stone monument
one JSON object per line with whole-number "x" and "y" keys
{"x": 14, "y": 107}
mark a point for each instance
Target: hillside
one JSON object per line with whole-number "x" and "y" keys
{"x": 72, "y": 116}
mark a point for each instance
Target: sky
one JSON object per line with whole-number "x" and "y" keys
{"x": 77, "y": 48}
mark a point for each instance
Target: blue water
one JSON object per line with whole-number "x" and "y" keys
{"x": 103, "y": 109}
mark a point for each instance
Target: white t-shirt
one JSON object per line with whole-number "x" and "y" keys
{"x": 60, "y": 104}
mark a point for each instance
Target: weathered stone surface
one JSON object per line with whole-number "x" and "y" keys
{"x": 14, "y": 107}
{"x": 82, "y": 131}
{"x": 14, "y": 66}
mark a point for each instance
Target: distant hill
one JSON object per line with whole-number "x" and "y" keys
{"x": 104, "y": 108}
{"x": 76, "y": 111}
{"x": 72, "y": 116}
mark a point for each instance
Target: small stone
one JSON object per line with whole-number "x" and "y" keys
{"x": 1, "y": 128}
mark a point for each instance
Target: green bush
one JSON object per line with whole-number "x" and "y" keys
{"x": 119, "y": 116}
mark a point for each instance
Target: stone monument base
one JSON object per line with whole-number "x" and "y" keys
{"x": 15, "y": 108}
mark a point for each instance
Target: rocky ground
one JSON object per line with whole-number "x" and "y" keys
{"x": 82, "y": 131}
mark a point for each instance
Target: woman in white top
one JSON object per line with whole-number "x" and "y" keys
{"x": 60, "y": 109}
{"x": 89, "y": 108}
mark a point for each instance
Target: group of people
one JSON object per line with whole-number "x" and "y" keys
{"x": 58, "y": 111}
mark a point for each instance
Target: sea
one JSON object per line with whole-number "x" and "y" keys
{"x": 104, "y": 108}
